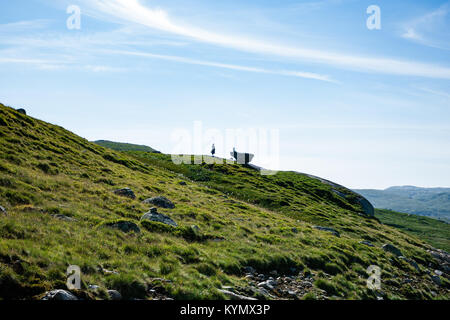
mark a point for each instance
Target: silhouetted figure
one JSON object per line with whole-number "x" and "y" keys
{"x": 213, "y": 150}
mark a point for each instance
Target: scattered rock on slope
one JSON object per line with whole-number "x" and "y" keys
{"x": 114, "y": 295}
{"x": 125, "y": 192}
{"x": 333, "y": 231}
{"x": 153, "y": 215}
{"x": 392, "y": 249}
{"x": 59, "y": 294}
{"x": 125, "y": 226}
{"x": 160, "y": 201}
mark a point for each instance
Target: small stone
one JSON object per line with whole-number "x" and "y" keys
{"x": 333, "y": 231}
{"x": 114, "y": 295}
{"x": 64, "y": 218}
{"x": 182, "y": 183}
{"x": 367, "y": 243}
{"x": 2, "y": 210}
{"x": 125, "y": 192}
{"x": 125, "y": 226}
{"x": 93, "y": 287}
{"x": 438, "y": 272}
{"x": 249, "y": 270}
{"x": 436, "y": 279}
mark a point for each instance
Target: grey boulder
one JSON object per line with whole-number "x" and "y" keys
{"x": 153, "y": 215}
{"x": 160, "y": 201}
{"x": 60, "y": 295}
{"x": 125, "y": 192}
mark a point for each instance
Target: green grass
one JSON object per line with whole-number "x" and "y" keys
{"x": 435, "y": 232}
{"x": 120, "y": 146}
{"x": 46, "y": 170}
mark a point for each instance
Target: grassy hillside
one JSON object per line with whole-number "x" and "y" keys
{"x": 431, "y": 202}
{"x": 120, "y": 146}
{"x": 57, "y": 189}
{"x": 433, "y": 231}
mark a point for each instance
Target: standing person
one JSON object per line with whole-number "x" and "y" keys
{"x": 213, "y": 150}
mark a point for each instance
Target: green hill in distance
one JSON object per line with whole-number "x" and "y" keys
{"x": 430, "y": 202}
{"x": 220, "y": 232}
{"x": 121, "y": 146}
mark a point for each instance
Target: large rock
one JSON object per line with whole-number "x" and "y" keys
{"x": 392, "y": 249}
{"x": 333, "y": 231}
{"x": 125, "y": 192}
{"x": 153, "y": 215}
{"x": 125, "y": 226}
{"x": 160, "y": 201}
{"x": 22, "y": 111}
{"x": 60, "y": 295}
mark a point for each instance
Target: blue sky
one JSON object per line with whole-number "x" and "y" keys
{"x": 364, "y": 108}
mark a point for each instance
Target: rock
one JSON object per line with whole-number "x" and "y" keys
{"x": 333, "y": 231}
{"x": 114, "y": 295}
{"x": 273, "y": 273}
{"x": 22, "y": 111}
{"x": 64, "y": 218}
{"x": 60, "y": 295}
{"x": 125, "y": 192}
{"x": 294, "y": 230}
{"x": 160, "y": 201}
{"x": 125, "y": 226}
{"x": 367, "y": 243}
{"x": 235, "y": 296}
{"x": 436, "y": 279}
{"x": 438, "y": 272}
{"x": 182, "y": 183}
{"x": 196, "y": 230}
{"x": 366, "y": 206}
{"x": 152, "y": 215}
{"x": 269, "y": 284}
{"x": 93, "y": 287}
{"x": 2, "y": 210}
{"x": 249, "y": 270}
{"x": 392, "y": 249}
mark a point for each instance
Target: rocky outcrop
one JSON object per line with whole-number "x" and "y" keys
{"x": 153, "y": 215}
{"x": 160, "y": 201}
{"x": 125, "y": 192}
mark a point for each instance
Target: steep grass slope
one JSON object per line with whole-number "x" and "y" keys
{"x": 57, "y": 189}
{"x": 120, "y": 146}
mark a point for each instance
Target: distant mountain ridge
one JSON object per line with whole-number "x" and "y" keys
{"x": 431, "y": 202}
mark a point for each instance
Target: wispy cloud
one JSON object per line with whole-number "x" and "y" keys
{"x": 299, "y": 74}
{"x": 132, "y": 11}
{"x": 430, "y": 29}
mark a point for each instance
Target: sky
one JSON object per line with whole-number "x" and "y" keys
{"x": 316, "y": 89}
